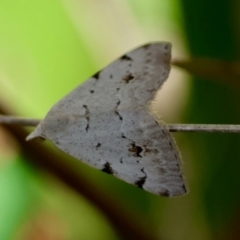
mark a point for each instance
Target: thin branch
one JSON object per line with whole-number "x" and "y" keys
{"x": 19, "y": 121}
{"x": 224, "y": 128}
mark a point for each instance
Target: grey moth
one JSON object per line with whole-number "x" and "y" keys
{"x": 109, "y": 122}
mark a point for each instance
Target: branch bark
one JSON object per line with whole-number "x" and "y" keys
{"x": 224, "y": 128}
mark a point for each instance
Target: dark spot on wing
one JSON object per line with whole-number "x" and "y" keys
{"x": 149, "y": 150}
{"x": 136, "y": 150}
{"x": 167, "y": 46}
{"x": 98, "y": 145}
{"x": 118, "y": 103}
{"x": 92, "y": 91}
{"x": 147, "y": 45}
{"x": 184, "y": 188}
{"x": 165, "y": 193}
{"x": 107, "y": 168}
{"x": 140, "y": 182}
{"x": 111, "y": 76}
{"x": 126, "y": 58}
{"x": 87, "y": 116}
{"x": 128, "y": 78}
{"x": 86, "y": 109}
{"x": 162, "y": 170}
{"x": 96, "y": 75}
{"x": 120, "y": 117}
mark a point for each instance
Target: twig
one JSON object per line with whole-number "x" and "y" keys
{"x": 224, "y": 128}
{"x": 19, "y": 121}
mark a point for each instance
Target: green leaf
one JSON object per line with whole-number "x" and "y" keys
{"x": 210, "y": 30}
{"x": 15, "y": 197}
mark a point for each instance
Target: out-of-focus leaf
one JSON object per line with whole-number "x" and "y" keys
{"x": 15, "y": 197}
{"x": 214, "y": 69}
{"x": 210, "y": 30}
{"x": 42, "y": 56}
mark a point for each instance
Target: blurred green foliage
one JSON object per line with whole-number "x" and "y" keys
{"x": 16, "y": 197}
{"x": 212, "y": 32}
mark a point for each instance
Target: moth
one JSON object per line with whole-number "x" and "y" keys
{"x": 109, "y": 122}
